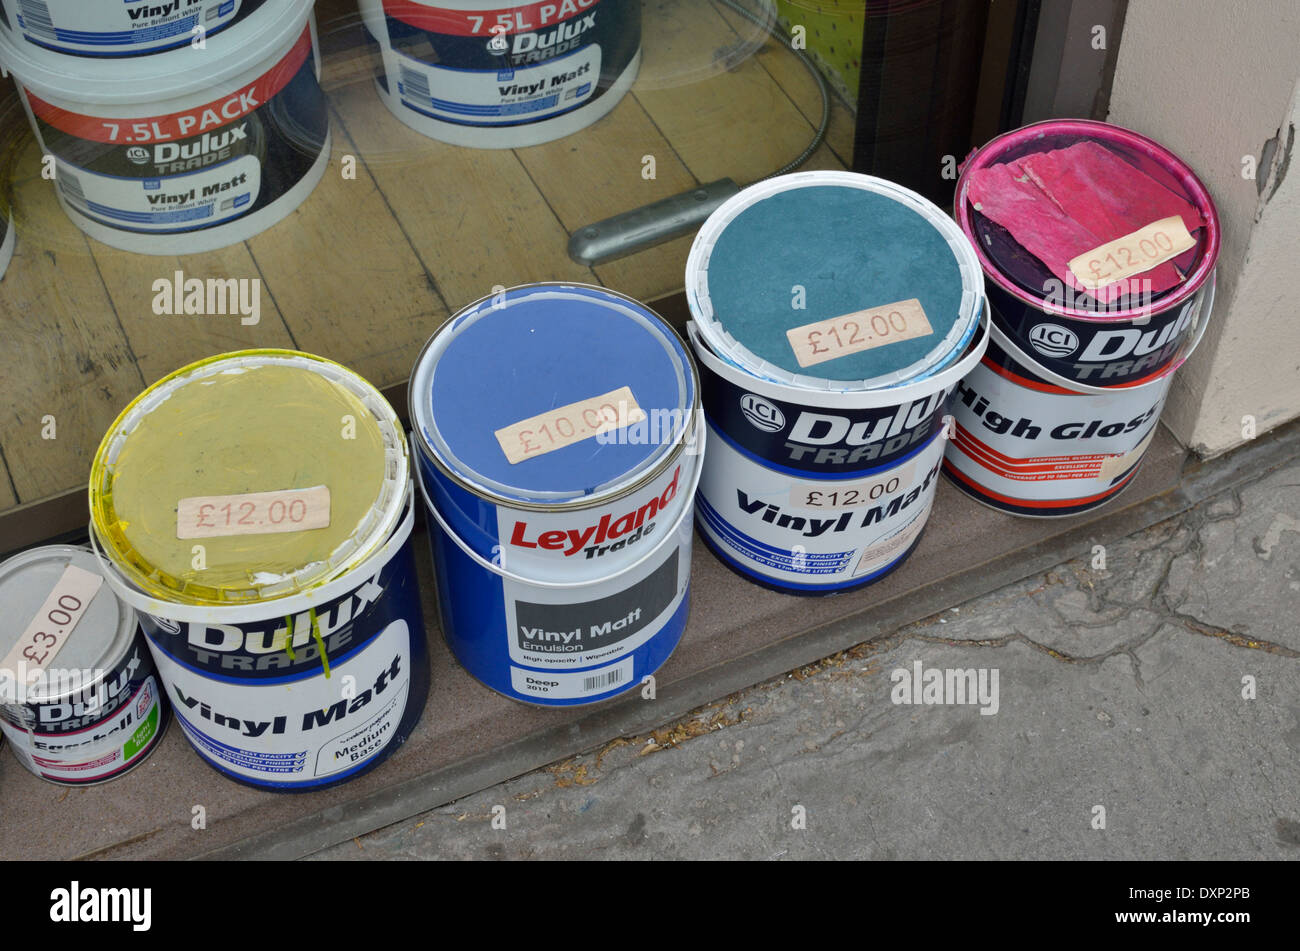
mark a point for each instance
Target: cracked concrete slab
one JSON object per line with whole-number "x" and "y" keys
{"x": 1160, "y": 692}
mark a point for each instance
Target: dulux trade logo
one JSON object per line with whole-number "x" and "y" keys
{"x": 762, "y": 414}
{"x": 1053, "y": 340}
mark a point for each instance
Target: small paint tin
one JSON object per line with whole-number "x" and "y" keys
{"x": 558, "y": 453}
{"x": 96, "y": 709}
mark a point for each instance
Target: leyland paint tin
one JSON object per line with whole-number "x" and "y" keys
{"x": 558, "y": 454}
{"x": 189, "y": 150}
{"x": 256, "y": 509}
{"x": 1056, "y": 419}
{"x": 489, "y": 74}
{"x": 80, "y": 700}
{"x": 126, "y": 28}
{"x": 834, "y": 313}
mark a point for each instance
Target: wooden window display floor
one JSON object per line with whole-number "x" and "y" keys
{"x": 367, "y": 268}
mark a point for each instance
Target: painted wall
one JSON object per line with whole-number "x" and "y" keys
{"x": 1216, "y": 82}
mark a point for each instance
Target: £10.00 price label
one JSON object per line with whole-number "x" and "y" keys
{"x": 1132, "y": 254}
{"x": 566, "y": 425}
{"x": 54, "y": 622}
{"x": 253, "y": 513}
{"x": 863, "y": 330}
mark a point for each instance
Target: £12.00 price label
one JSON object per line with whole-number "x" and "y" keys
{"x": 253, "y": 513}
{"x": 54, "y": 622}
{"x": 862, "y": 330}
{"x": 1132, "y": 254}
{"x": 566, "y": 425}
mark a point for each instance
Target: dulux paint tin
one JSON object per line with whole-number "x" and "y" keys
{"x": 1056, "y": 419}
{"x": 488, "y": 74}
{"x": 834, "y": 314}
{"x": 188, "y": 150}
{"x": 119, "y": 29}
{"x": 294, "y": 658}
{"x": 558, "y": 452}
{"x": 81, "y": 703}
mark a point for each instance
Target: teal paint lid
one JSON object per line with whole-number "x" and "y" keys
{"x": 800, "y": 249}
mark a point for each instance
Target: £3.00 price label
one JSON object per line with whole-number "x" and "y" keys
{"x": 54, "y": 622}
{"x": 1132, "y": 254}
{"x": 566, "y": 425}
{"x": 253, "y": 513}
{"x": 862, "y": 330}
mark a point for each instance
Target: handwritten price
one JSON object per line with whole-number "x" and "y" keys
{"x": 1133, "y": 253}
{"x": 852, "y": 333}
{"x": 49, "y": 630}
{"x": 566, "y": 425}
{"x": 254, "y": 513}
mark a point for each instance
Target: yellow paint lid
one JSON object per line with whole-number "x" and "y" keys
{"x": 247, "y": 477}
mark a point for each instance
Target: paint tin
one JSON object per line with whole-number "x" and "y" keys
{"x": 558, "y": 451}
{"x": 1058, "y": 416}
{"x": 834, "y": 313}
{"x": 95, "y": 709}
{"x": 488, "y": 74}
{"x": 189, "y": 150}
{"x": 132, "y": 28}
{"x": 294, "y": 658}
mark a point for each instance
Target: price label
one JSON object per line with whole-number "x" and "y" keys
{"x": 849, "y": 495}
{"x": 1132, "y": 254}
{"x": 54, "y": 622}
{"x": 253, "y": 513}
{"x": 567, "y": 425}
{"x": 862, "y": 330}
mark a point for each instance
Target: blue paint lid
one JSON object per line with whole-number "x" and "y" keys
{"x": 538, "y": 348}
{"x": 801, "y": 249}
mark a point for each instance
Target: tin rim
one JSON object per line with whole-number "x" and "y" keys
{"x": 669, "y": 452}
{"x": 733, "y": 351}
{"x": 128, "y": 622}
{"x": 370, "y": 533}
{"x": 1199, "y": 196}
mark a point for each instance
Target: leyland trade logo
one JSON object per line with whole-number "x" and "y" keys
{"x": 761, "y": 413}
{"x": 1052, "y": 340}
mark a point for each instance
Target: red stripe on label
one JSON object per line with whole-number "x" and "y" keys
{"x": 1033, "y": 469}
{"x": 956, "y": 473}
{"x": 179, "y": 125}
{"x": 1021, "y": 381}
{"x": 516, "y": 19}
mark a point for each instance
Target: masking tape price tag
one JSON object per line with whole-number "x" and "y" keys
{"x": 862, "y": 330}
{"x": 54, "y": 622}
{"x": 253, "y": 513}
{"x": 566, "y": 425}
{"x": 1132, "y": 254}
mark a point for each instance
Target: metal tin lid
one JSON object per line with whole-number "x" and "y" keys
{"x": 809, "y": 247}
{"x": 26, "y": 580}
{"x": 1019, "y": 273}
{"x": 541, "y": 347}
{"x": 243, "y": 423}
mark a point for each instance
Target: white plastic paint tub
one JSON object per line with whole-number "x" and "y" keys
{"x": 834, "y": 315}
{"x": 294, "y": 659}
{"x": 189, "y": 150}
{"x": 488, "y": 74}
{"x": 131, "y": 28}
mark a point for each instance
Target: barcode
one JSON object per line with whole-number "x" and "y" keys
{"x": 601, "y": 681}
{"x": 36, "y": 17}
{"x": 415, "y": 84}
{"x": 71, "y": 186}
